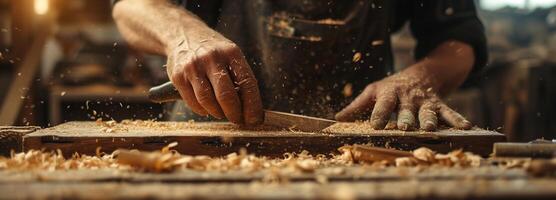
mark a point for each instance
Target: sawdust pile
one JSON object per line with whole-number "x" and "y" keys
{"x": 51, "y": 161}
{"x": 167, "y": 160}
{"x": 112, "y": 126}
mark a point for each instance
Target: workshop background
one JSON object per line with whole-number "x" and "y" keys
{"x": 65, "y": 61}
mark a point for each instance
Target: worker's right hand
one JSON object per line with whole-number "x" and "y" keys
{"x": 213, "y": 77}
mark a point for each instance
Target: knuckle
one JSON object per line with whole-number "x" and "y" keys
{"x": 249, "y": 83}
{"x": 207, "y": 56}
{"x": 176, "y": 78}
{"x": 233, "y": 48}
{"x": 226, "y": 96}
{"x": 190, "y": 69}
{"x": 204, "y": 98}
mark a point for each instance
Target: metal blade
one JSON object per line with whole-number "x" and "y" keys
{"x": 297, "y": 122}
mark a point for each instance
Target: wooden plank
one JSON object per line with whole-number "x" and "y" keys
{"x": 11, "y": 138}
{"x": 218, "y": 138}
{"x": 430, "y": 189}
{"x": 356, "y": 173}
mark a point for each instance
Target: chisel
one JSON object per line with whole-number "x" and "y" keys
{"x": 168, "y": 93}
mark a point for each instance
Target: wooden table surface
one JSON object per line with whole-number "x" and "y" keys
{"x": 349, "y": 183}
{"x": 333, "y": 182}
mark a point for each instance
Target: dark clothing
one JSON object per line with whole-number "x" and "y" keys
{"x": 303, "y": 51}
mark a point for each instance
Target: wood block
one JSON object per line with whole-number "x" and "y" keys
{"x": 11, "y": 138}
{"x": 219, "y": 138}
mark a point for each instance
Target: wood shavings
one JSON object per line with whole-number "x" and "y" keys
{"x": 377, "y": 42}
{"x": 426, "y": 157}
{"x": 369, "y": 154}
{"x": 112, "y": 126}
{"x": 330, "y": 21}
{"x": 419, "y": 157}
{"x": 424, "y": 154}
{"x": 51, "y": 161}
{"x": 149, "y": 161}
{"x": 356, "y": 57}
{"x": 348, "y": 90}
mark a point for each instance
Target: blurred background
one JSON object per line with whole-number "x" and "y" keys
{"x": 64, "y": 60}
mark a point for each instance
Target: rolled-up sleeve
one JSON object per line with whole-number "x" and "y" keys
{"x": 436, "y": 21}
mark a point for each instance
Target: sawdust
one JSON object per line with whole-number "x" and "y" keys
{"x": 113, "y": 126}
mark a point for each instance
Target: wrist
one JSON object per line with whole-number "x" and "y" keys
{"x": 424, "y": 75}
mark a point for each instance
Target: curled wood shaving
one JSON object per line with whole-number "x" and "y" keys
{"x": 167, "y": 160}
{"x": 419, "y": 157}
{"x": 426, "y": 157}
{"x": 369, "y": 154}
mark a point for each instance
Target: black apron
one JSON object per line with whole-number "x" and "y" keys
{"x": 302, "y": 52}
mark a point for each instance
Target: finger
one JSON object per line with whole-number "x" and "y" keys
{"x": 364, "y": 103}
{"x": 248, "y": 88}
{"x": 188, "y": 96}
{"x": 392, "y": 123}
{"x": 204, "y": 93}
{"x": 428, "y": 119}
{"x": 385, "y": 104}
{"x": 453, "y": 118}
{"x": 406, "y": 119}
{"x": 225, "y": 93}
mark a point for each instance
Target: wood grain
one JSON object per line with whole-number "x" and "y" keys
{"x": 218, "y": 138}
{"x": 432, "y": 189}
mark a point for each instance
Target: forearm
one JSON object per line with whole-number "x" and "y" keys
{"x": 156, "y": 26}
{"x": 445, "y": 68}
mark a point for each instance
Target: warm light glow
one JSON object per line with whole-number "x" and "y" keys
{"x": 41, "y": 7}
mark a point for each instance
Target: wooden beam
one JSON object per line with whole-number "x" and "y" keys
{"x": 396, "y": 190}
{"x": 347, "y": 173}
{"x": 11, "y": 138}
{"x": 217, "y": 139}
{"x": 23, "y": 79}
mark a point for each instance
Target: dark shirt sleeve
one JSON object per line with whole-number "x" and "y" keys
{"x": 207, "y": 10}
{"x": 436, "y": 21}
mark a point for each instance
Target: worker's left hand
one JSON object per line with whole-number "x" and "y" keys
{"x": 412, "y": 95}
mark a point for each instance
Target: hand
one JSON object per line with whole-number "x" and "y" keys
{"x": 414, "y": 97}
{"x": 213, "y": 77}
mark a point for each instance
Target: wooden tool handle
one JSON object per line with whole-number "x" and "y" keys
{"x": 524, "y": 150}
{"x": 164, "y": 93}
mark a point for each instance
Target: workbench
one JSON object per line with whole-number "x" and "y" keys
{"x": 343, "y": 182}
{"x": 352, "y": 182}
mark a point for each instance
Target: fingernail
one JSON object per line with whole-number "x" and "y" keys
{"x": 429, "y": 126}
{"x": 467, "y": 124}
{"x": 253, "y": 120}
{"x": 378, "y": 124}
{"x": 339, "y": 117}
{"x": 403, "y": 126}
